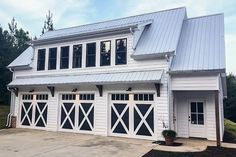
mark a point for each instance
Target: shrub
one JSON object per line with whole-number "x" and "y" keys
{"x": 169, "y": 133}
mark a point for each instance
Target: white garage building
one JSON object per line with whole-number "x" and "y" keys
{"x": 130, "y": 77}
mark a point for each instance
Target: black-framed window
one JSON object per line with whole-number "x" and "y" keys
{"x": 77, "y": 56}
{"x": 105, "y": 53}
{"x": 41, "y": 59}
{"x": 91, "y": 55}
{"x": 52, "y": 58}
{"x": 121, "y": 51}
{"x": 64, "y": 64}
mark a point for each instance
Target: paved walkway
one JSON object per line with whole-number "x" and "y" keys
{"x": 33, "y": 143}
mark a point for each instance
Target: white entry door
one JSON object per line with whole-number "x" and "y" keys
{"x": 197, "y": 119}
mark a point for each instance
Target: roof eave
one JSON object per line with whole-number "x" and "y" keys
{"x": 20, "y": 67}
{"x": 84, "y": 35}
{"x": 197, "y": 71}
{"x": 93, "y": 83}
{"x": 151, "y": 55}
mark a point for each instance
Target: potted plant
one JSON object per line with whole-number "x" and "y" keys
{"x": 169, "y": 136}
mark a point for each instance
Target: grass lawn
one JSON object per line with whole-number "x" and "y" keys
{"x": 230, "y": 131}
{"x": 209, "y": 152}
{"x": 4, "y": 110}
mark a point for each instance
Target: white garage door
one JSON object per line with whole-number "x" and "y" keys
{"x": 76, "y": 113}
{"x": 34, "y": 110}
{"x": 132, "y": 115}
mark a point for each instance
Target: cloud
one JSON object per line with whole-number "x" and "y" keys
{"x": 5, "y": 18}
{"x": 32, "y": 12}
{"x": 194, "y": 8}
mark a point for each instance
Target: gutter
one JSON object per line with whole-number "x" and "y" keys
{"x": 197, "y": 71}
{"x": 19, "y": 67}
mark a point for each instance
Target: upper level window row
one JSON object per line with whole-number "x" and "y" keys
{"x": 105, "y": 55}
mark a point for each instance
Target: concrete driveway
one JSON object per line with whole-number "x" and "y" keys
{"x": 34, "y": 143}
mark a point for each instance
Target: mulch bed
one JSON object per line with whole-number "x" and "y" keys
{"x": 162, "y": 143}
{"x": 229, "y": 138}
{"x": 209, "y": 152}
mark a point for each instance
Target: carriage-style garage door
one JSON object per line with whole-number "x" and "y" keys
{"x": 132, "y": 115}
{"x": 34, "y": 110}
{"x": 76, "y": 113}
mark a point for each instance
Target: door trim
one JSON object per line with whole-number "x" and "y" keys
{"x": 34, "y": 104}
{"x": 76, "y": 103}
{"x": 131, "y": 104}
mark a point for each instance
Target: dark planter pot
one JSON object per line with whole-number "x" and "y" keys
{"x": 169, "y": 141}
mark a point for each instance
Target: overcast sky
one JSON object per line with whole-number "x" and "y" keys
{"x": 30, "y": 14}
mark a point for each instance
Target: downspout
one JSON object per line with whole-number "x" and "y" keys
{"x": 12, "y": 106}
{"x": 170, "y": 94}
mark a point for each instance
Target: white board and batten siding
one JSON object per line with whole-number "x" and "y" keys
{"x": 194, "y": 83}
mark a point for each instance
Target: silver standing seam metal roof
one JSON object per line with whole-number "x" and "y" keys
{"x": 96, "y": 79}
{"x": 90, "y": 28}
{"x": 24, "y": 59}
{"x": 158, "y": 38}
{"x": 201, "y": 46}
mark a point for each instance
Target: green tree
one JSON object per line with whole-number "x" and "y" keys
{"x": 12, "y": 26}
{"x": 230, "y": 102}
{"x": 19, "y": 36}
{"x": 6, "y": 47}
{"x": 12, "y": 44}
{"x": 48, "y": 23}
